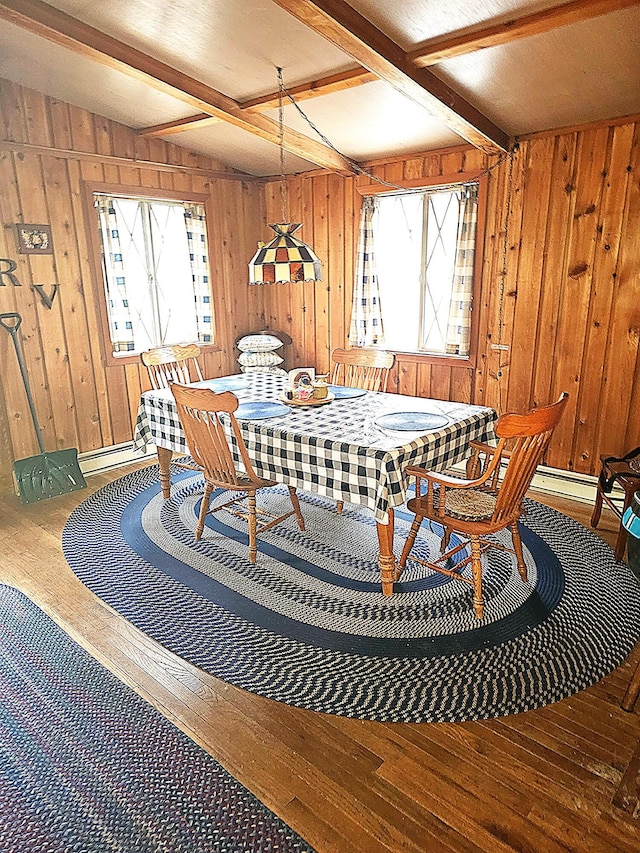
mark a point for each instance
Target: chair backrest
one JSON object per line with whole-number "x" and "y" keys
{"x": 528, "y": 435}
{"x": 362, "y": 367}
{"x": 177, "y": 363}
{"x": 199, "y": 410}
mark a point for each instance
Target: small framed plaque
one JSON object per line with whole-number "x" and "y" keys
{"x": 34, "y": 239}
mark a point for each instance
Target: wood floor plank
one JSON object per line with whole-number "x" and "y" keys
{"x": 539, "y": 781}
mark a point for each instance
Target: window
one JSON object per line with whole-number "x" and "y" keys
{"x": 155, "y": 265}
{"x": 421, "y": 255}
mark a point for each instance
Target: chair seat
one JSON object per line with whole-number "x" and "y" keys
{"x": 242, "y": 484}
{"x": 472, "y": 504}
{"x": 465, "y": 504}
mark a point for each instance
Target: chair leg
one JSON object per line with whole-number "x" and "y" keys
{"x": 597, "y": 509}
{"x": 296, "y": 507}
{"x": 621, "y": 543}
{"x": 476, "y": 569}
{"x": 204, "y": 509}
{"x": 339, "y": 507}
{"x": 446, "y": 538}
{"x": 517, "y": 547}
{"x": 411, "y": 538}
{"x": 253, "y": 525}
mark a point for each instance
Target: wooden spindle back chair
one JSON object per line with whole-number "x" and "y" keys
{"x": 485, "y": 502}
{"x": 362, "y": 367}
{"x": 177, "y": 363}
{"x": 200, "y": 410}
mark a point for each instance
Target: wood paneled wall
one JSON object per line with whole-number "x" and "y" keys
{"x": 567, "y": 307}
{"x": 81, "y": 402}
{"x": 569, "y": 312}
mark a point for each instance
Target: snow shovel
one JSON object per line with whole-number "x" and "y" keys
{"x": 49, "y": 473}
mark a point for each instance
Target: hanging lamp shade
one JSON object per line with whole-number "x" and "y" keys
{"x": 285, "y": 258}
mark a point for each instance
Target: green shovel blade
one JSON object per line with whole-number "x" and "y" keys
{"x": 48, "y": 474}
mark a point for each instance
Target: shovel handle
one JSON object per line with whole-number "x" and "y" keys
{"x": 10, "y": 321}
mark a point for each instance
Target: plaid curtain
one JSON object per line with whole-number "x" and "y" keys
{"x": 459, "y": 323}
{"x": 127, "y": 269}
{"x": 120, "y": 321}
{"x": 195, "y": 222}
{"x": 366, "y": 316}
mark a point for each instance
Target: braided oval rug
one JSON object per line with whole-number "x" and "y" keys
{"x": 76, "y": 771}
{"x": 308, "y": 624}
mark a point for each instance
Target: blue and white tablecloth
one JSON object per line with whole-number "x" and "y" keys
{"x": 335, "y": 449}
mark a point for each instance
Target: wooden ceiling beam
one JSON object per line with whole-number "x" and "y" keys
{"x": 324, "y": 86}
{"x": 341, "y": 25}
{"x": 436, "y": 50}
{"x": 179, "y": 125}
{"x": 56, "y": 26}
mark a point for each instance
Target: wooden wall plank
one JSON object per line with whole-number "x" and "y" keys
{"x": 558, "y": 222}
{"x": 320, "y": 246}
{"x": 530, "y": 269}
{"x": 407, "y": 372}
{"x": 39, "y": 344}
{"x": 603, "y": 292}
{"x": 495, "y": 180}
{"x": 88, "y": 287}
{"x": 296, "y": 326}
{"x": 623, "y": 354}
{"x": 308, "y": 235}
{"x": 576, "y": 285}
{"x": 504, "y": 288}
{"x": 353, "y": 204}
{"x": 37, "y": 117}
{"x": 70, "y": 306}
{"x": 335, "y": 261}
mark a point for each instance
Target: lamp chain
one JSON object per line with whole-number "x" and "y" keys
{"x": 281, "y": 91}
{"x": 353, "y": 163}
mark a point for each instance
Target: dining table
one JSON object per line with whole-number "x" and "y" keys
{"x": 354, "y": 446}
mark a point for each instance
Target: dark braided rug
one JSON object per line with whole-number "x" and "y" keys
{"x": 308, "y": 624}
{"x": 77, "y": 774}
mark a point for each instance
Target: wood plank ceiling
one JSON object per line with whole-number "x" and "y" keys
{"x": 204, "y": 73}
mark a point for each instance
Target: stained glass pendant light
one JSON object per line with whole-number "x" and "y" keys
{"x": 285, "y": 258}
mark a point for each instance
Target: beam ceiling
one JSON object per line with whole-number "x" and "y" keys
{"x": 436, "y": 50}
{"x": 428, "y": 53}
{"x": 341, "y": 25}
{"x": 62, "y": 29}
{"x": 333, "y": 83}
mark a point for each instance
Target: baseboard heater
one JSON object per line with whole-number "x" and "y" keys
{"x": 115, "y": 456}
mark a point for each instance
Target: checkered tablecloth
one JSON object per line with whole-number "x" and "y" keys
{"x": 335, "y": 449}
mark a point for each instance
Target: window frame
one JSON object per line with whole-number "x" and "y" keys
{"x": 440, "y": 181}
{"x": 95, "y": 257}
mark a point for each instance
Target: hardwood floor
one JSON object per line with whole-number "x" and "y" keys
{"x": 537, "y": 782}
